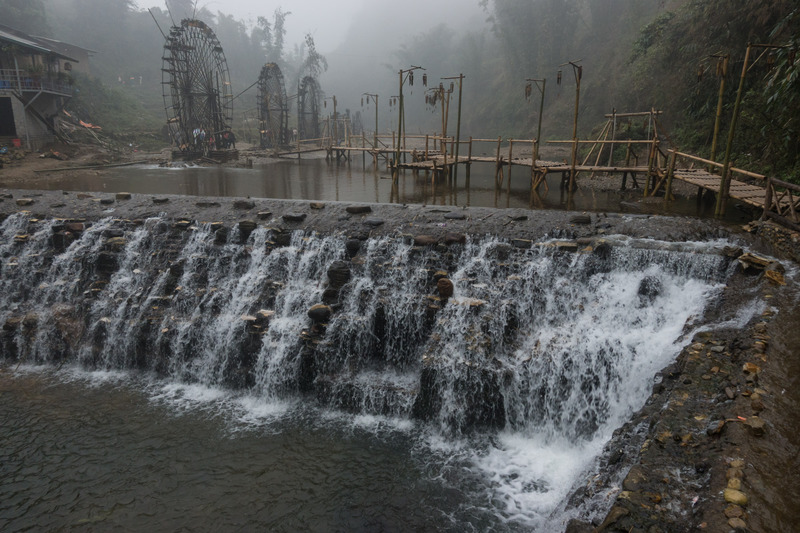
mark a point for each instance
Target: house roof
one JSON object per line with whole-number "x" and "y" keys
{"x": 22, "y": 39}
{"x": 65, "y": 48}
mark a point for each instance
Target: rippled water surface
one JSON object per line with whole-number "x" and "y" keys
{"x": 98, "y": 452}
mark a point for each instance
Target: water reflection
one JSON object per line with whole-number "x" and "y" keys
{"x": 360, "y": 181}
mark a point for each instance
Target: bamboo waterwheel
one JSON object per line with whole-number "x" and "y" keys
{"x": 273, "y": 107}
{"x": 196, "y": 85}
{"x": 309, "y": 97}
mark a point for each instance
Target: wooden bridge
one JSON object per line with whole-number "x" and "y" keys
{"x": 441, "y": 156}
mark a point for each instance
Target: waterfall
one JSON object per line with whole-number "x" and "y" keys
{"x": 551, "y": 344}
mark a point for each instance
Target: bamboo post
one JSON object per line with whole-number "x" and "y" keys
{"x": 650, "y": 162}
{"x": 767, "y": 199}
{"x": 497, "y": 159}
{"x": 670, "y": 173}
{"x": 539, "y": 127}
{"x": 722, "y": 197}
{"x": 578, "y": 72}
{"x": 720, "y": 98}
{"x": 613, "y": 136}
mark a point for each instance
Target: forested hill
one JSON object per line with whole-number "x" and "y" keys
{"x": 634, "y": 55}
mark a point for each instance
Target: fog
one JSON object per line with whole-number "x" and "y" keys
{"x": 363, "y": 42}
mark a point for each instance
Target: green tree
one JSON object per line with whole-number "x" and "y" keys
{"x": 25, "y": 15}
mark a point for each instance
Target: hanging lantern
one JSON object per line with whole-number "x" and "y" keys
{"x": 425, "y": 80}
{"x": 411, "y": 78}
{"x": 558, "y": 78}
{"x": 452, "y": 86}
{"x": 528, "y": 91}
{"x": 325, "y": 104}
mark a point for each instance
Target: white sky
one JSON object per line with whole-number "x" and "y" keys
{"x": 327, "y": 20}
{"x": 330, "y": 20}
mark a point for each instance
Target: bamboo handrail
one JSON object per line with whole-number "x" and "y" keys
{"x": 720, "y": 165}
{"x": 603, "y": 142}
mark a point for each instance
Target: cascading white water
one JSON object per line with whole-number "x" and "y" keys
{"x": 547, "y": 350}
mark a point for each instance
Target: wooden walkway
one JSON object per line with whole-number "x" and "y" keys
{"x": 751, "y": 194}
{"x": 437, "y": 156}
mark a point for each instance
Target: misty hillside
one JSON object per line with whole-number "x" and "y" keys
{"x": 634, "y": 55}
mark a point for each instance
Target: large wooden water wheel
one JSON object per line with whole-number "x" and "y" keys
{"x": 273, "y": 107}
{"x": 196, "y": 86}
{"x": 309, "y": 97}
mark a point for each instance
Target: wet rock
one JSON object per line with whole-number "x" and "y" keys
{"x": 737, "y": 523}
{"x": 123, "y": 196}
{"x": 613, "y": 517}
{"x": 455, "y": 238}
{"x": 106, "y": 201}
{"x": 756, "y": 426}
{"x": 24, "y": 202}
{"x": 21, "y": 237}
{"x": 330, "y": 296}
{"x": 518, "y": 218}
{"x": 734, "y": 511}
{"x": 521, "y": 243}
{"x": 320, "y": 313}
{"x": 339, "y": 273}
{"x": 602, "y": 250}
{"x": 264, "y": 215}
{"x": 84, "y": 196}
{"x": 317, "y": 205}
{"x": 358, "y": 209}
{"x": 247, "y": 226}
{"x": 182, "y": 224}
{"x": 244, "y": 204}
{"x": 649, "y": 288}
{"x": 756, "y": 404}
{"x": 207, "y": 204}
{"x": 581, "y": 219}
{"x": 283, "y": 237}
{"x": 455, "y": 215}
{"x": 732, "y": 251}
{"x": 116, "y": 244}
{"x": 735, "y": 483}
{"x": 751, "y": 368}
{"x": 374, "y": 221}
{"x": 352, "y": 246}
{"x": 774, "y": 272}
{"x": 106, "y": 262}
{"x": 445, "y": 287}
{"x": 735, "y": 472}
{"x": 715, "y": 427}
{"x": 578, "y": 526}
{"x": 425, "y": 240}
{"x": 294, "y": 217}
{"x": 221, "y": 235}
{"x": 735, "y": 497}
{"x": 730, "y": 393}
{"x": 566, "y": 246}
{"x": 62, "y": 239}
{"x": 636, "y": 477}
{"x": 157, "y": 200}
{"x": 752, "y": 263}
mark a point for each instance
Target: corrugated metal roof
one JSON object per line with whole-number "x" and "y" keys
{"x": 28, "y": 41}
